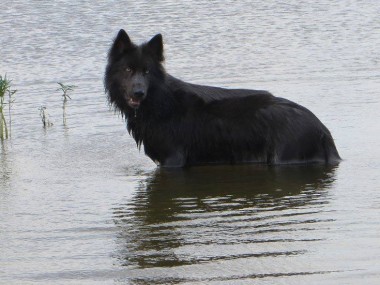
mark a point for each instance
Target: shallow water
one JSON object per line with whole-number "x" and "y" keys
{"x": 80, "y": 205}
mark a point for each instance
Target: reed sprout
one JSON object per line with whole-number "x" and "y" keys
{"x": 65, "y": 90}
{"x": 45, "y": 117}
{"x": 5, "y": 91}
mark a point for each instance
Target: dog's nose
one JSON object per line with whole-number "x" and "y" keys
{"x": 139, "y": 94}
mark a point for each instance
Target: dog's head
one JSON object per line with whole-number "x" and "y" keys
{"x": 132, "y": 69}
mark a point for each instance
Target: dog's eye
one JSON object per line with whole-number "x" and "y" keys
{"x": 128, "y": 69}
{"x": 146, "y": 71}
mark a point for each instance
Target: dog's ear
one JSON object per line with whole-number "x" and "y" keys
{"x": 156, "y": 48}
{"x": 121, "y": 44}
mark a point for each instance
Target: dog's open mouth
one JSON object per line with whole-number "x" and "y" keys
{"x": 134, "y": 102}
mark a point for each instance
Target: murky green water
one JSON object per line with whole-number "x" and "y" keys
{"x": 80, "y": 205}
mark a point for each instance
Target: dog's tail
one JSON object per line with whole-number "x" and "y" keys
{"x": 331, "y": 153}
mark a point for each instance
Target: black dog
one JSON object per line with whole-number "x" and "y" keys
{"x": 182, "y": 124}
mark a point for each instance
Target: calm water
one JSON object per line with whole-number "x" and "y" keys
{"x": 80, "y": 205}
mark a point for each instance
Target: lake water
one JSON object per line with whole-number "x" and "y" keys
{"x": 80, "y": 205}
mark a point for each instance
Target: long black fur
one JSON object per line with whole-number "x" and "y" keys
{"x": 183, "y": 124}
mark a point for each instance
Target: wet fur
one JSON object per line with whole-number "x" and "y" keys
{"x": 183, "y": 124}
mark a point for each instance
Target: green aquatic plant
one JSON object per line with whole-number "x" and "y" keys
{"x": 65, "y": 90}
{"x": 5, "y": 89}
{"x": 45, "y": 117}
